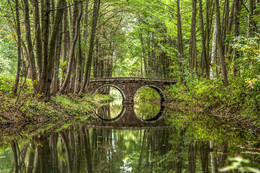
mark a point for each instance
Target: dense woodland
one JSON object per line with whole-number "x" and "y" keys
{"x": 60, "y": 44}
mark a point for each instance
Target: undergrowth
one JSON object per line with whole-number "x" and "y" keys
{"x": 31, "y": 107}
{"x": 241, "y": 97}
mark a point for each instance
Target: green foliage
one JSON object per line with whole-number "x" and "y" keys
{"x": 240, "y": 97}
{"x": 249, "y": 60}
{"x": 31, "y": 107}
{"x": 238, "y": 164}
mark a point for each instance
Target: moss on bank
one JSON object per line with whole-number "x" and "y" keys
{"x": 240, "y": 99}
{"x": 29, "y": 107}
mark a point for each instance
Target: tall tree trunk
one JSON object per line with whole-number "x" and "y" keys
{"x": 55, "y": 83}
{"x": 32, "y": 67}
{"x": 204, "y": 58}
{"x": 19, "y": 48}
{"x": 45, "y": 39}
{"x": 79, "y": 59}
{"x": 180, "y": 44}
{"x": 91, "y": 45}
{"x": 236, "y": 34}
{"x": 220, "y": 45}
{"x": 65, "y": 42}
{"x": 213, "y": 51}
{"x": 76, "y": 18}
{"x": 193, "y": 47}
{"x": 38, "y": 40}
{"x": 53, "y": 41}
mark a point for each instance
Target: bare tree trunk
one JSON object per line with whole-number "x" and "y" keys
{"x": 236, "y": 34}
{"x": 38, "y": 39}
{"x": 45, "y": 39}
{"x": 213, "y": 51}
{"x": 76, "y": 18}
{"x": 79, "y": 59}
{"x": 204, "y": 58}
{"x": 180, "y": 44}
{"x": 193, "y": 47}
{"x": 91, "y": 46}
{"x": 55, "y": 83}
{"x": 53, "y": 41}
{"x": 221, "y": 46}
{"x": 29, "y": 42}
{"x": 19, "y": 48}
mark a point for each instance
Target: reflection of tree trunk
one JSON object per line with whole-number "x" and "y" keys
{"x": 192, "y": 158}
{"x": 213, "y": 159}
{"x": 179, "y": 151}
{"x": 31, "y": 159}
{"x": 141, "y": 154}
{"x": 104, "y": 112}
{"x": 54, "y": 152}
{"x": 13, "y": 145}
{"x": 223, "y": 156}
{"x": 204, "y": 152}
{"x": 88, "y": 150}
{"x": 67, "y": 149}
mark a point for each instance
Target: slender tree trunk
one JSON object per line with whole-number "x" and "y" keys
{"x": 55, "y": 83}
{"x": 76, "y": 18}
{"x": 213, "y": 51}
{"x": 45, "y": 40}
{"x": 221, "y": 45}
{"x": 193, "y": 47}
{"x": 236, "y": 34}
{"x": 52, "y": 45}
{"x": 19, "y": 48}
{"x": 29, "y": 42}
{"x": 91, "y": 45}
{"x": 65, "y": 42}
{"x": 204, "y": 58}
{"x": 79, "y": 59}
{"x": 38, "y": 40}
{"x": 180, "y": 44}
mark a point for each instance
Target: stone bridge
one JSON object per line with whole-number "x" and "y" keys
{"x": 128, "y": 88}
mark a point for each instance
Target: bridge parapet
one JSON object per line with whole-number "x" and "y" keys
{"x": 128, "y": 86}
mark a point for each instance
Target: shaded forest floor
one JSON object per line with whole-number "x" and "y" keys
{"x": 31, "y": 108}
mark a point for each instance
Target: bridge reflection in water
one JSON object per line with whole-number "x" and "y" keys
{"x": 114, "y": 112}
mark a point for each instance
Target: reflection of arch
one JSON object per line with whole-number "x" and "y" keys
{"x": 119, "y": 89}
{"x": 161, "y": 111}
{"x": 159, "y": 91}
{"x": 113, "y": 119}
{"x": 104, "y": 109}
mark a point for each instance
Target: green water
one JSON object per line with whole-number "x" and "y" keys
{"x": 193, "y": 143}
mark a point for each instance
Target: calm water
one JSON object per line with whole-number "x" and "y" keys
{"x": 191, "y": 143}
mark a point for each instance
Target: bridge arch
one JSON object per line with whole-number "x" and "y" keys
{"x": 123, "y": 98}
{"x": 162, "y": 97}
{"x": 156, "y": 88}
{"x": 112, "y": 85}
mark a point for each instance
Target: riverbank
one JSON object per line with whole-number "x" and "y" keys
{"x": 239, "y": 101}
{"x": 28, "y": 107}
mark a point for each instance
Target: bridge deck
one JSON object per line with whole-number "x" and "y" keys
{"x": 133, "y": 79}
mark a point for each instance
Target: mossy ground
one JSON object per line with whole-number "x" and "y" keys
{"x": 30, "y": 107}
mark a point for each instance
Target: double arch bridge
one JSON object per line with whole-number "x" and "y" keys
{"x": 128, "y": 86}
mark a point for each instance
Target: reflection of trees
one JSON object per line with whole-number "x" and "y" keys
{"x": 104, "y": 112}
{"x": 98, "y": 150}
{"x": 146, "y": 110}
{"x": 80, "y": 149}
{"x": 110, "y": 111}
